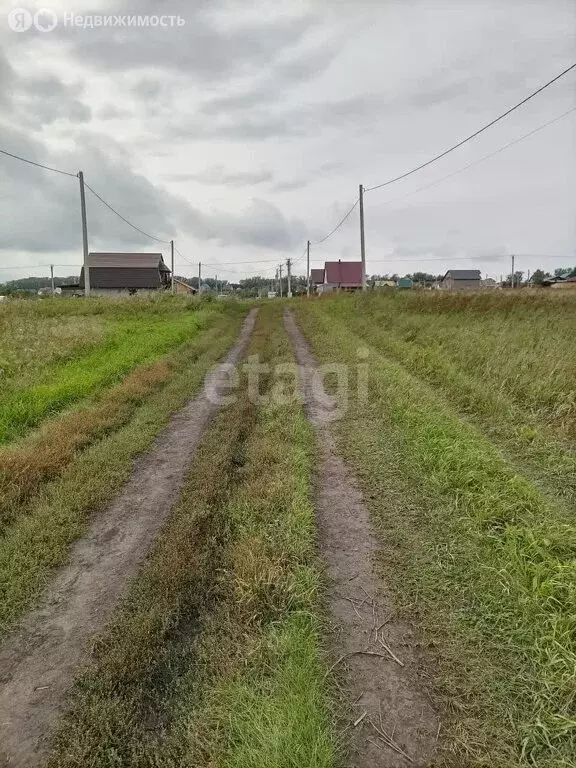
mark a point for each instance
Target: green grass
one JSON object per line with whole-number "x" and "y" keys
{"x": 125, "y": 343}
{"x": 473, "y": 550}
{"x": 470, "y": 348}
{"x": 215, "y": 657}
{"x": 39, "y": 539}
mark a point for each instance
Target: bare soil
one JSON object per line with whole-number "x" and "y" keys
{"x": 40, "y": 659}
{"x": 390, "y": 718}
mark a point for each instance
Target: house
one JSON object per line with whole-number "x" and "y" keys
{"x": 342, "y": 276}
{"x": 564, "y": 284}
{"x": 384, "y": 284}
{"x": 181, "y": 287}
{"x": 316, "y": 278}
{"x": 461, "y": 280}
{"x": 123, "y": 274}
{"x": 405, "y": 282}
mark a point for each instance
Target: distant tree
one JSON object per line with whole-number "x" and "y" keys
{"x": 539, "y": 276}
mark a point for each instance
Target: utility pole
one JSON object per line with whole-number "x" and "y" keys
{"x": 216, "y": 281}
{"x": 289, "y": 279}
{"x": 52, "y": 278}
{"x": 280, "y": 269}
{"x": 308, "y": 268}
{"x": 199, "y": 276}
{"x": 512, "y": 276}
{"x": 84, "y": 234}
{"x": 362, "y": 240}
{"x": 172, "y": 260}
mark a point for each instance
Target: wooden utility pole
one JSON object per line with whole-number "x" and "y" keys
{"x": 280, "y": 270}
{"x": 362, "y": 239}
{"x": 289, "y": 279}
{"x": 84, "y": 234}
{"x": 308, "y": 268}
{"x": 173, "y": 287}
{"x": 512, "y": 276}
{"x": 52, "y": 279}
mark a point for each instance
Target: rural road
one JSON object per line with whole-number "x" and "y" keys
{"x": 40, "y": 659}
{"x": 376, "y": 648}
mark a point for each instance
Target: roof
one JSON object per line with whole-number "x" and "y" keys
{"x": 344, "y": 272}
{"x": 125, "y": 270}
{"x": 405, "y": 282}
{"x": 135, "y": 260}
{"x": 316, "y": 276}
{"x": 463, "y": 274}
{"x": 190, "y": 288}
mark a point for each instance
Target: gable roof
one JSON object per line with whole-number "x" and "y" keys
{"x": 463, "y": 274}
{"x": 344, "y": 272}
{"x": 317, "y": 276}
{"x": 125, "y": 270}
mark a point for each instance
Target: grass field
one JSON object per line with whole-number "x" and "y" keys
{"x": 476, "y": 551}
{"x": 217, "y": 656}
{"x": 54, "y": 477}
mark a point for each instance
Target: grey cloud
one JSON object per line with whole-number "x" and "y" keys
{"x": 55, "y": 202}
{"x": 205, "y": 48}
{"x": 38, "y": 100}
{"x": 300, "y": 67}
{"x": 288, "y": 186}
{"x": 219, "y": 175}
{"x": 261, "y": 224}
{"x": 112, "y": 112}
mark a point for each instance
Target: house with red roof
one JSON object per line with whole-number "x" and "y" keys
{"x": 341, "y": 276}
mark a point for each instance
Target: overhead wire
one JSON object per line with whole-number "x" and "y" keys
{"x": 485, "y": 157}
{"x": 38, "y": 165}
{"x": 337, "y": 227}
{"x": 151, "y": 237}
{"x": 472, "y": 135}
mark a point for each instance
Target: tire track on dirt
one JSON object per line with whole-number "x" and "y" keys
{"x": 391, "y": 722}
{"x": 39, "y": 660}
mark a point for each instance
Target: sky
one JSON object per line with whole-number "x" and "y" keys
{"x": 246, "y": 130}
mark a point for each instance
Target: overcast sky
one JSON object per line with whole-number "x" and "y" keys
{"x": 246, "y": 130}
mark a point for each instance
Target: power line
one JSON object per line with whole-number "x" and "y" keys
{"x": 337, "y": 227}
{"x": 184, "y": 257}
{"x": 38, "y": 165}
{"x": 482, "y": 159}
{"x": 473, "y": 135}
{"x": 151, "y": 237}
{"x": 39, "y": 266}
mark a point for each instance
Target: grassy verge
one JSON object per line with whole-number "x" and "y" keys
{"x": 475, "y": 553}
{"x": 214, "y": 658}
{"x": 39, "y": 539}
{"x": 126, "y": 344}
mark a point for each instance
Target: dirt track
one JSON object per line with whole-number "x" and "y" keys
{"x": 41, "y": 657}
{"x": 383, "y": 686}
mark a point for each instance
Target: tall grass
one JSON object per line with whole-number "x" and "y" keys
{"x": 518, "y": 344}
{"x": 474, "y": 551}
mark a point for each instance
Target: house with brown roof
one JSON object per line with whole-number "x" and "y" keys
{"x": 342, "y": 276}
{"x": 124, "y": 274}
{"x": 316, "y": 278}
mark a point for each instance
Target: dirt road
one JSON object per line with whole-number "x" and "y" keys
{"x": 391, "y": 721}
{"x": 39, "y": 660}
